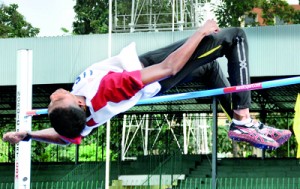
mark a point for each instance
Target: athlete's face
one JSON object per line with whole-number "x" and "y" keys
{"x": 61, "y": 99}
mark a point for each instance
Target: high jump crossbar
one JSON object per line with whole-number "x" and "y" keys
{"x": 204, "y": 93}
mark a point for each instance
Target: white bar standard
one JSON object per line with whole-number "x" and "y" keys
{"x": 23, "y": 122}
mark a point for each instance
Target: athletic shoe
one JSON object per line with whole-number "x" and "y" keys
{"x": 251, "y": 133}
{"x": 279, "y": 135}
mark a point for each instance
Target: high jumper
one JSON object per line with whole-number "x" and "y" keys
{"x": 112, "y": 86}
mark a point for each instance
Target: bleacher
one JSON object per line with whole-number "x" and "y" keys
{"x": 244, "y": 167}
{"x": 39, "y": 171}
{"x": 195, "y": 168}
{"x": 270, "y": 173}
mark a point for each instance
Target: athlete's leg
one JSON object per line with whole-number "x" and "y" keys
{"x": 230, "y": 42}
{"x": 158, "y": 55}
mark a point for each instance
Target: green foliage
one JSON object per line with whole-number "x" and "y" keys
{"x": 277, "y": 8}
{"x": 297, "y": 17}
{"x": 6, "y": 151}
{"x": 231, "y": 12}
{"x": 252, "y": 16}
{"x": 13, "y": 24}
{"x": 224, "y": 143}
{"x": 65, "y": 30}
{"x": 91, "y": 17}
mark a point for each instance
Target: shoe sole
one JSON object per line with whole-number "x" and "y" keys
{"x": 283, "y": 139}
{"x": 257, "y": 145}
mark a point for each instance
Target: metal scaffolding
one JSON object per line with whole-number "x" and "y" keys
{"x": 164, "y": 15}
{"x": 189, "y": 132}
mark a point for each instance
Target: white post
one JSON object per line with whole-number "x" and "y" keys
{"x": 181, "y": 22}
{"x": 131, "y": 24}
{"x": 23, "y": 122}
{"x": 185, "y": 137}
{"x": 146, "y": 135}
{"x": 173, "y": 15}
{"x": 107, "y": 162}
{"x": 123, "y": 146}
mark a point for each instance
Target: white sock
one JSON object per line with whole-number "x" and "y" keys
{"x": 242, "y": 122}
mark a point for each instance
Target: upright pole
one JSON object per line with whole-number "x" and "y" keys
{"x": 150, "y": 16}
{"x": 173, "y": 15}
{"x": 23, "y": 122}
{"x": 146, "y": 135}
{"x": 109, "y": 29}
{"x": 181, "y": 16}
{"x": 131, "y": 24}
{"x": 107, "y": 162}
{"x": 123, "y": 138}
{"x": 185, "y": 144}
{"x": 214, "y": 146}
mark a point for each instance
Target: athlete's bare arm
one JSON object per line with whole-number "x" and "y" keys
{"x": 45, "y": 135}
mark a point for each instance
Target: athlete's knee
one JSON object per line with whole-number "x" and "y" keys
{"x": 237, "y": 31}
{"x": 240, "y": 34}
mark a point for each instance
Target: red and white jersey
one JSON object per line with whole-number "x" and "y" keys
{"x": 112, "y": 86}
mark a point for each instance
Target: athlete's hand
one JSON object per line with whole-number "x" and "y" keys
{"x": 209, "y": 27}
{"x": 14, "y": 137}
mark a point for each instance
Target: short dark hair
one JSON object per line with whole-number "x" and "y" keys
{"x": 68, "y": 122}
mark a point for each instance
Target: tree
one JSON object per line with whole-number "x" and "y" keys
{"x": 277, "y": 9}
{"x": 91, "y": 17}
{"x": 234, "y": 12}
{"x": 297, "y": 17}
{"x": 13, "y": 24}
{"x": 231, "y": 13}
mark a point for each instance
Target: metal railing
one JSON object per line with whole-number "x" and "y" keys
{"x": 238, "y": 183}
{"x": 62, "y": 185}
{"x": 189, "y": 183}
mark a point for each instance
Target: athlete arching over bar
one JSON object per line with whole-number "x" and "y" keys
{"x": 114, "y": 85}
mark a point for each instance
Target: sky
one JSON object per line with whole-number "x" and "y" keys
{"x": 48, "y": 15}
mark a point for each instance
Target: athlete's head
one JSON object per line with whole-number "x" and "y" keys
{"x": 65, "y": 114}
